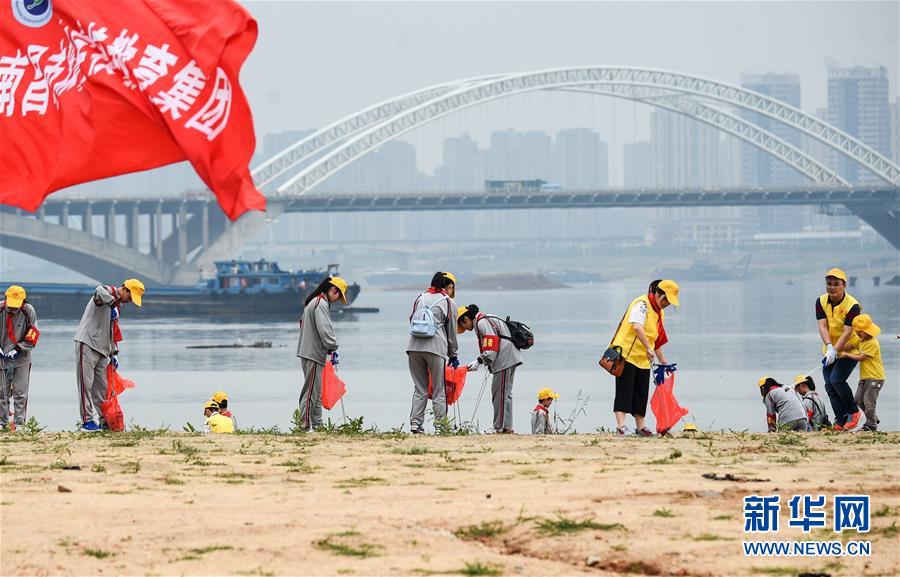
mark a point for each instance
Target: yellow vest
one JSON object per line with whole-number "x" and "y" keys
{"x": 632, "y": 348}
{"x": 835, "y": 317}
{"x": 220, "y": 424}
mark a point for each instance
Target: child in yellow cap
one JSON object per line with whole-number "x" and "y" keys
{"x": 221, "y": 398}
{"x": 540, "y": 416}
{"x": 216, "y": 423}
{"x": 871, "y": 368}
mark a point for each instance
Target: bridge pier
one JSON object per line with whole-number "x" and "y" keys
{"x": 134, "y": 227}
{"x": 64, "y": 217}
{"x": 204, "y": 215}
{"x": 111, "y": 223}
{"x": 157, "y": 228}
{"x": 87, "y": 219}
{"x": 182, "y": 235}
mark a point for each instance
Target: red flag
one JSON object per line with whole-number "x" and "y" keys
{"x": 93, "y": 88}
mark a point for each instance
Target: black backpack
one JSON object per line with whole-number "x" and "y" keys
{"x": 520, "y": 334}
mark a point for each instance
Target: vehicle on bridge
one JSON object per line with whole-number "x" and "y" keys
{"x": 533, "y": 185}
{"x": 240, "y": 289}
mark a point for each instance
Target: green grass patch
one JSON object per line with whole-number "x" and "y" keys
{"x": 97, "y": 553}
{"x": 709, "y": 537}
{"x": 298, "y": 466}
{"x": 676, "y": 454}
{"x": 410, "y": 450}
{"x": 98, "y": 468}
{"x": 665, "y": 513}
{"x": 789, "y": 571}
{"x": 360, "y": 482}
{"x": 360, "y": 550}
{"x": 479, "y": 568}
{"x": 484, "y": 530}
{"x": 563, "y": 526}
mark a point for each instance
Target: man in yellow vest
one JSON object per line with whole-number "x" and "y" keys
{"x": 835, "y": 311}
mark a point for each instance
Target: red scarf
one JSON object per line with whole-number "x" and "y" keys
{"x": 541, "y": 407}
{"x": 9, "y": 329}
{"x": 434, "y": 291}
{"x": 661, "y": 337}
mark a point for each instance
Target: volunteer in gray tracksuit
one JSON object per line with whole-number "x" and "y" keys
{"x": 499, "y": 355}
{"x": 814, "y": 405}
{"x": 18, "y": 336}
{"x": 96, "y": 346}
{"x": 432, "y": 312}
{"x": 784, "y": 408}
{"x": 317, "y": 342}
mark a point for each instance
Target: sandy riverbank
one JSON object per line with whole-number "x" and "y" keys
{"x": 179, "y": 504}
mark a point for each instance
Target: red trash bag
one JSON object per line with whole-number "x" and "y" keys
{"x": 664, "y": 406}
{"x": 110, "y": 408}
{"x": 333, "y": 388}
{"x": 455, "y": 380}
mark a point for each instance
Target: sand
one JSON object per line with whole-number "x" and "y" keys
{"x": 164, "y": 503}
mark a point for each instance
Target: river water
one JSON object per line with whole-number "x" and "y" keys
{"x": 724, "y": 337}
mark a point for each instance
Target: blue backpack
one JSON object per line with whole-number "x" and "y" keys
{"x": 423, "y": 323}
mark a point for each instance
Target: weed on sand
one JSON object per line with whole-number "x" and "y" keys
{"x": 564, "y": 525}
{"x": 482, "y": 532}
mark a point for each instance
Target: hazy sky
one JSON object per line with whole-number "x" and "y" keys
{"x": 318, "y": 61}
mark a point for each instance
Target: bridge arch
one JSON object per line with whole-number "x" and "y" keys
{"x": 364, "y": 141}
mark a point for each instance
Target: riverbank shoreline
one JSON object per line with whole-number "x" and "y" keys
{"x": 165, "y": 503}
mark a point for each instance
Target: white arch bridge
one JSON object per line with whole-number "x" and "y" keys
{"x": 200, "y": 235}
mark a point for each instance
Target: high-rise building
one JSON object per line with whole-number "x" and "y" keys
{"x": 685, "y": 151}
{"x": 638, "y": 157}
{"x": 896, "y": 116}
{"x": 580, "y": 160}
{"x": 858, "y": 104}
{"x": 518, "y": 155}
{"x": 463, "y": 165}
{"x": 758, "y": 168}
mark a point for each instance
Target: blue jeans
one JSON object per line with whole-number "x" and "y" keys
{"x": 839, "y": 392}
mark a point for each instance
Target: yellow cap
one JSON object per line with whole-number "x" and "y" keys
{"x": 136, "y": 288}
{"x": 341, "y": 285}
{"x": 670, "y": 287}
{"x": 837, "y": 273}
{"x": 690, "y": 427}
{"x": 764, "y": 380}
{"x": 450, "y": 277}
{"x": 460, "y": 311}
{"x": 800, "y": 379}
{"x": 864, "y": 324}
{"x": 15, "y": 296}
{"x": 547, "y": 393}
{"x": 211, "y": 405}
{"x": 220, "y": 396}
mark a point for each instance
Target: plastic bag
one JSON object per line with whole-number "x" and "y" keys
{"x": 664, "y": 405}
{"x": 110, "y": 408}
{"x": 333, "y": 388}
{"x": 454, "y": 381}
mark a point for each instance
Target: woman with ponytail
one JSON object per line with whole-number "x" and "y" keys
{"x": 317, "y": 343}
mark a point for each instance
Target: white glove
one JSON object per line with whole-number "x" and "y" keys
{"x": 473, "y": 366}
{"x": 830, "y": 355}
{"x": 11, "y": 355}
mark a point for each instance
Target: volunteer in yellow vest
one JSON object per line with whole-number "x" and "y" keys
{"x": 216, "y": 423}
{"x": 641, "y": 336}
{"x": 18, "y": 336}
{"x": 835, "y": 311}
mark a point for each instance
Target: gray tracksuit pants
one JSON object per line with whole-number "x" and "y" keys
{"x": 311, "y": 395}
{"x": 90, "y": 373}
{"x": 420, "y": 364}
{"x": 17, "y": 388}
{"x": 501, "y": 394}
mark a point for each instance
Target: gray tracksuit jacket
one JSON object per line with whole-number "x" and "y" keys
{"x": 540, "y": 421}
{"x": 21, "y": 322}
{"x": 813, "y": 404}
{"x": 443, "y": 343}
{"x": 785, "y": 404}
{"x": 95, "y": 328}
{"x": 317, "y": 338}
{"x": 507, "y": 356}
